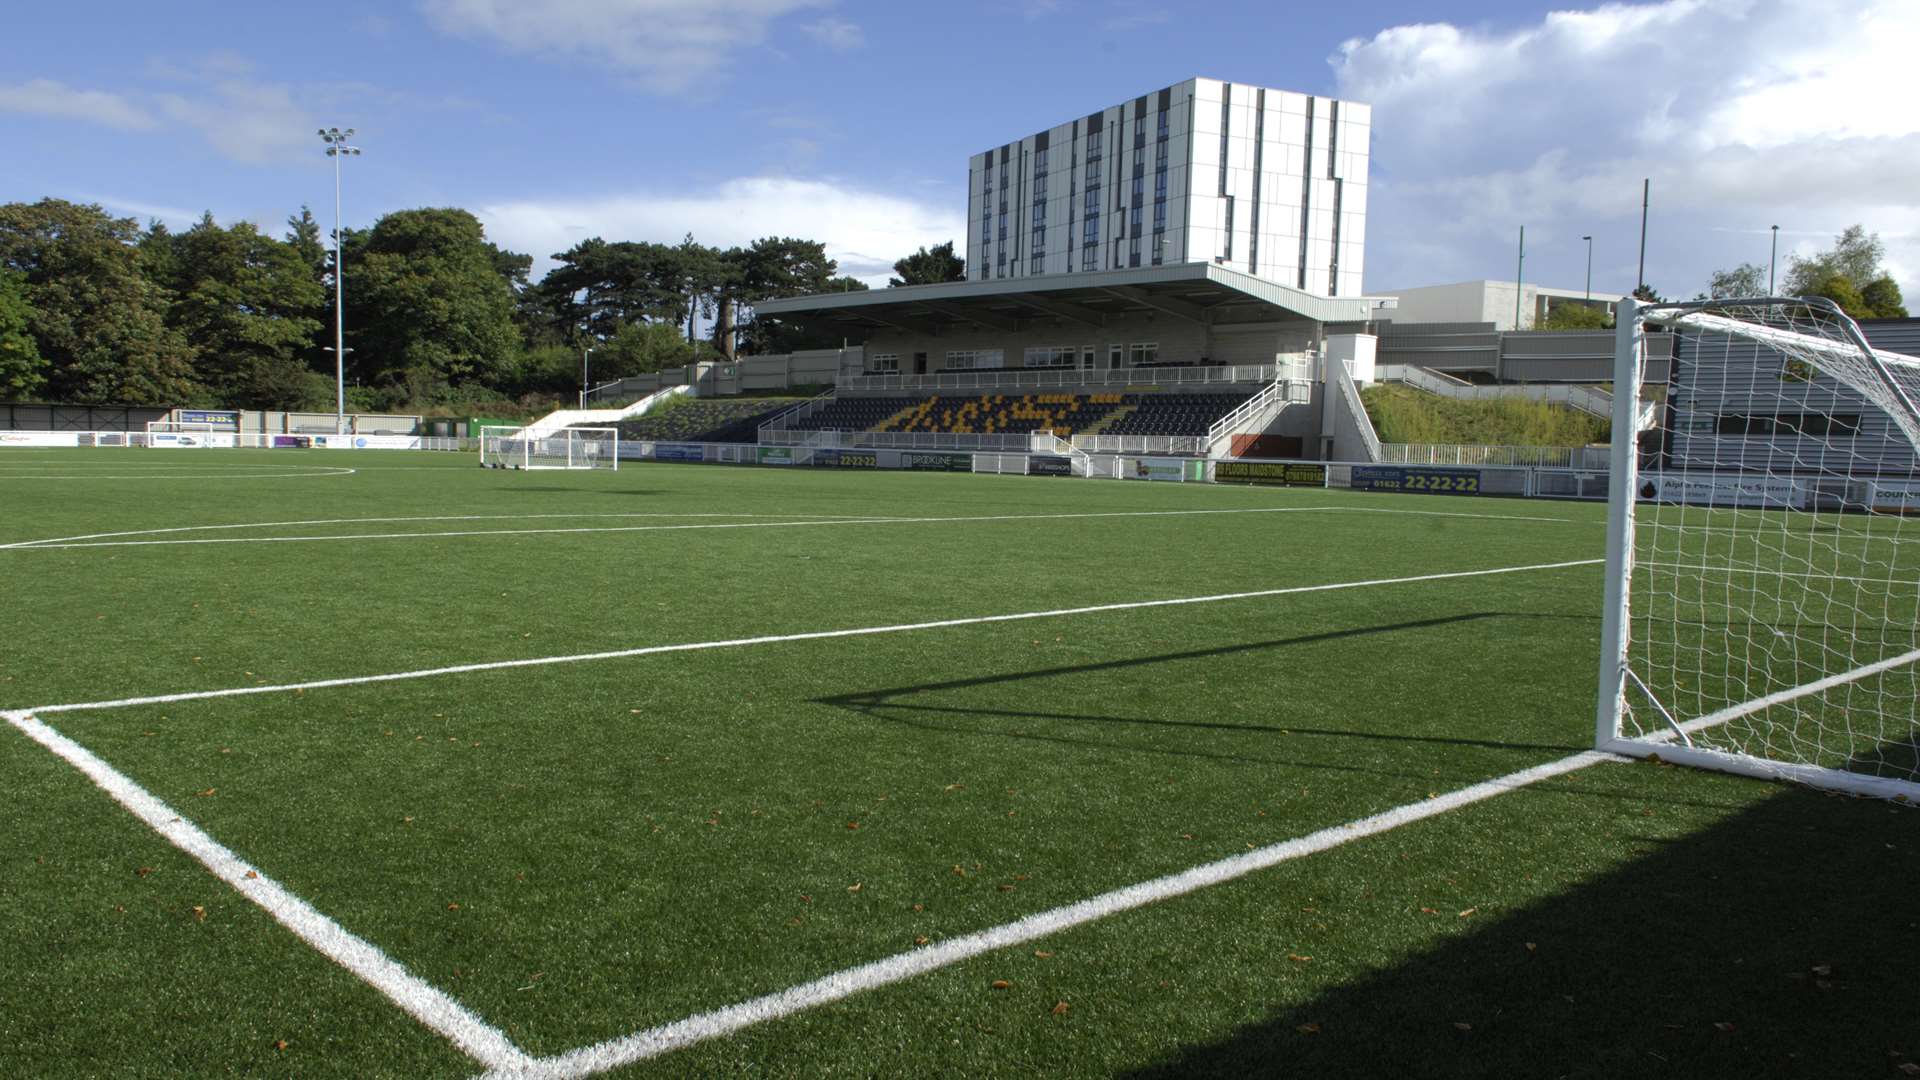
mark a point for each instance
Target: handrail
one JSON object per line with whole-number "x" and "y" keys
{"x": 782, "y": 420}
{"x": 1361, "y": 421}
{"x": 1015, "y": 378}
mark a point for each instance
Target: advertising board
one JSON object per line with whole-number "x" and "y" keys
{"x": 1707, "y": 489}
{"x": 1156, "y": 468}
{"x": 776, "y": 455}
{"x": 223, "y": 419}
{"x": 1418, "y": 480}
{"x": 846, "y": 459}
{"x": 679, "y": 452}
{"x": 948, "y": 462}
{"x": 1049, "y": 465}
{"x": 1894, "y": 497}
{"x": 1274, "y": 473}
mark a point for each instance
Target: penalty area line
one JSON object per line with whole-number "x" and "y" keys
{"x": 777, "y": 639}
{"x": 656, "y": 1041}
{"x": 426, "y": 1003}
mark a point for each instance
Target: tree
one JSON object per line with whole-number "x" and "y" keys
{"x": 247, "y": 304}
{"x": 1575, "y": 316}
{"x": 1840, "y": 289}
{"x": 431, "y": 310}
{"x": 637, "y": 348}
{"x": 22, "y": 369}
{"x": 1747, "y": 279}
{"x": 929, "y": 267}
{"x": 1646, "y": 294}
{"x": 1855, "y": 255}
{"x": 1882, "y": 296}
{"x": 96, "y": 319}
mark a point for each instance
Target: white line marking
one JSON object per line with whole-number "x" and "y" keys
{"x": 386, "y": 520}
{"x": 314, "y": 470}
{"x": 1781, "y": 697}
{"x": 774, "y": 639}
{"x": 424, "y": 1002}
{"x": 666, "y": 1038}
{"x": 62, "y": 543}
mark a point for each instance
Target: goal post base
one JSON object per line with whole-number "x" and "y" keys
{"x": 1836, "y": 780}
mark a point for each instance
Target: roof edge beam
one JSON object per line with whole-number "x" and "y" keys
{"x": 1085, "y": 316}
{"x": 1179, "y": 308}
{"x": 967, "y": 313}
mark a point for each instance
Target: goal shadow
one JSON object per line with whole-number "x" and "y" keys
{"x": 1772, "y": 943}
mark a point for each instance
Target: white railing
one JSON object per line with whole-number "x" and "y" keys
{"x": 784, "y": 421}
{"x": 1540, "y": 457}
{"x": 1583, "y": 398}
{"x": 1350, "y": 394}
{"x": 1173, "y": 445}
{"x": 1065, "y": 378}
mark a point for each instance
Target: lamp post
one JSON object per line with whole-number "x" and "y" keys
{"x": 337, "y": 148}
{"x": 1519, "y": 277}
{"x": 1773, "y": 257}
{"x": 1589, "y": 241}
{"x": 585, "y": 381}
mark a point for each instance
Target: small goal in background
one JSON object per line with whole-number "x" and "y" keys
{"x": 567, "y": 448}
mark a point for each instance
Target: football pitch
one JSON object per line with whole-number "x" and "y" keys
{"x": 381, "y": 764}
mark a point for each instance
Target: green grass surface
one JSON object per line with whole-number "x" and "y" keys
{"x": 579, "y": 851}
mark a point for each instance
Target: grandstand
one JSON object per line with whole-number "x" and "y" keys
{"x": 712, "y": 420}
{"x": 1064, "y": 415}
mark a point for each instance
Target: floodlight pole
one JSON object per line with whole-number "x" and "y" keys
{"x": 1589, "y": 241}
{"x": 584, "y": 380}
{"x": 337, "y": 148}
{"x": 1519, "y": 276}
{"x": 1773, "y": 258}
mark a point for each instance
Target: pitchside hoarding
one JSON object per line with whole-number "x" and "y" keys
{"x": 1701, "y": 489}
{"x": 1418, "y": 480}
{"x": 947, "y": 462}
{"x": 1273, "y": 473}
{"x": 679, "y": 452}
{"x": 221, "y": 419}
{"x": 1048, "y": 465}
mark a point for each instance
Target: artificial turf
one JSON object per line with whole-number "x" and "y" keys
{"x": 577, "y": 851}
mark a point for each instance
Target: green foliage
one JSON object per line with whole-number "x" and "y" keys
{"x": 1647, "y": 294}
{"x": 929, "y": 267}
{"x": 637, "y": 348}
{"x": 427, "y": 306}
{"x": 1747, "y": 279}
{"x": 22, "y": 369}
{"x": 1882, "y": 297}
{"x": 249, "y": 307}
{"x": 1401, "y": 414}
{"x": 98, "y": 321}
{"x": 1855, "y": 255}
{"x": 1840, "y": 289}
{"x": 1567, "y": 315}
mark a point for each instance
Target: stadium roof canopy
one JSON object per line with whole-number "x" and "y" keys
{"x": 1202, "y": 293}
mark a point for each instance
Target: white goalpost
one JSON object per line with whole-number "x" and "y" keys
{"x": 1763, "y": 549}
{"x": 567, "y": 448}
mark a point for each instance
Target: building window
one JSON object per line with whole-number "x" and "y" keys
{"x": 971, "y": 359}
{"x": 1788, "y": 425}
{"x": 883, "y": 362}
{"x": 1143, "y": 354}
{"x": 1226, "y": 248}
{"x": 1133, "y": 248}
{"x": 1051, "y": 355}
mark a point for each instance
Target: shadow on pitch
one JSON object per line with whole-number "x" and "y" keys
{"x": 889, "y": 706}
{"x": 1775, "y": 943}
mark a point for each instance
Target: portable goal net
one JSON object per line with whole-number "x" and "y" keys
{"x": 567, "y": 448}
{"x": 1763, "y": 550}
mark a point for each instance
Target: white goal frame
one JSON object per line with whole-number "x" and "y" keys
{"x": 181, "y": 427}
{"x": 1851, "y": 639}
{"x": 504, "y": 447}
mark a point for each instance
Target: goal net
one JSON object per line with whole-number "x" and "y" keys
{"x": 174, "y": 434}
{"x": 567, "y": 448}
{"x": 1763, "y": 550}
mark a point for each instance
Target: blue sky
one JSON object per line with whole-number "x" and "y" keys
{"x": 850, "y": 121}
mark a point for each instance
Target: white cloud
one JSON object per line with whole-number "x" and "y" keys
{"x": 1744, "y": 113}
{"x": 44, "y": 97}
{"x": 670, "y": 45}
{"x": 251, "y": 122}
{"x": 836, "y": 34}
{"x": 865, "y": 231}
